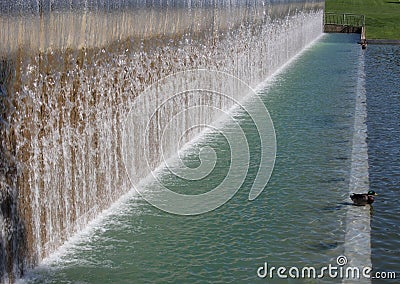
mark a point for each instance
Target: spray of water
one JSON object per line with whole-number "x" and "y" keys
{"x": 71, "y": 77}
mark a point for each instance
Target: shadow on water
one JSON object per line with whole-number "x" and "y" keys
{"x": 342, "y": 205}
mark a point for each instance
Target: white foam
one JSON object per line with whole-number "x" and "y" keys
{"x": 120, "y": 207}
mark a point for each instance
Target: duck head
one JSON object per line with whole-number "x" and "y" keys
{"x": 370, "y": 196}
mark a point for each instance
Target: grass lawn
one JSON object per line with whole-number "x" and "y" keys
{"x": 382, "y": 17}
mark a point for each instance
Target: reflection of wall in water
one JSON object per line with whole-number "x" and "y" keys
{"x": 68, "y": 78}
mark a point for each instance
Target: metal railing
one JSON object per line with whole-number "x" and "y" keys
{"x": 346, "y": 19}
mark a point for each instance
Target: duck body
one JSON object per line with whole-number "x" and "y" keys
{"x": 362, "y": 199}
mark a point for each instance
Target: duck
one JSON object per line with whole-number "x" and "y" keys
{"x": 362, "y": 199}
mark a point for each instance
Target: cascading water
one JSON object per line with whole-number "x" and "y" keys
{"x": 70, "y": 72}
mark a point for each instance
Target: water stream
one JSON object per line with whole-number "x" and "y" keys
{"x": 298, "y": 220}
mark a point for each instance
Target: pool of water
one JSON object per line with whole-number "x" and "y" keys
{"x": 299, "y": 219}
{"x": 383, "y": 104}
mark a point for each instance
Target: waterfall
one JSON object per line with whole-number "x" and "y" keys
{"x": 70, "y": 72}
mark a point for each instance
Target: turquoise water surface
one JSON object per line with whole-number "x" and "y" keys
{"x": 298, "y": 220}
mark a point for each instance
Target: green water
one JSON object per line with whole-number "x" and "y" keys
{"x": 298, "y": 220}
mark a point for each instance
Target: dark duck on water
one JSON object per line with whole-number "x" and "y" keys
{"x": 363, "y": 198}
